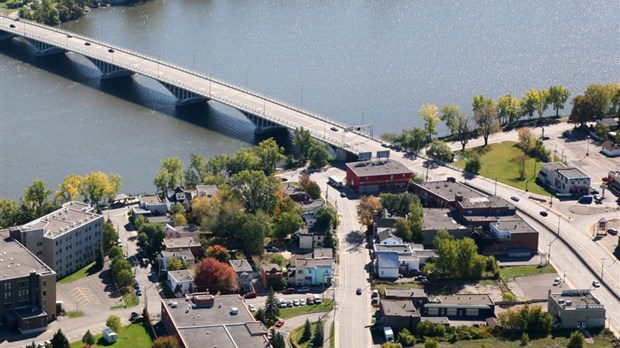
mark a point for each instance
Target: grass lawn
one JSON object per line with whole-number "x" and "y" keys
{"x": 326, "y": 306}
{"x": 79, "y": 274}
{"x": 75, "y": 314}
{"x": 130, "y": 336}
{"x": 295, "y": 336}
{"x": 131, "y": 299}
{"x": 507, "y": 273}
{"x": 332, "y": 336}
{"x": 496, "y": 160}
{"x": 601, "y": 340}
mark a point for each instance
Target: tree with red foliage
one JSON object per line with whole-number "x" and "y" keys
{"x": 215, "y": 276}
{"x": 218, "y": 252}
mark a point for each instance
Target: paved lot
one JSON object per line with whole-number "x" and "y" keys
{"x": 90, "y": 295}
{"x": 536, "y": 287}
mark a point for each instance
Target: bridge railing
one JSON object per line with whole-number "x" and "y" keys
{"x": 149, "y": 73}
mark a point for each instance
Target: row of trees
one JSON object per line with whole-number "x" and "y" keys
{"x": 54, "y": 12}
{"x": 598, "y": 101}
{"x": 121, "y": 268}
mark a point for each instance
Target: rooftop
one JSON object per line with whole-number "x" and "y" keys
{"x": 572, "y": 173}
{"x": 241, "y": 266}
{"x": 181, "y": 276}
{"x": 399, "y": 308}
{"x": 448, "y": 190}
{"x": 404, "y": 293}
{"x": 268, "y": 267}
{"x": 150, "y": 199}
{"x": 485, "y": 202}
{"x": 465, "y": 300}
{"x": 184, "y": 253}
{"x": 378, "y": 167}
{"x": 386, "y": 233}
{"x": 71, "y": 216}
{"x": 553, "y": 165}
{"x": 513, "y": 224}
{"x": 439, "y": 219}
{"x": 216, "y": 325}
{"x": 181, "y": 242}
{"x": 313, "y": 262}
{"x": 17, "y": 261}
{"x": 579, "y": 297}
{"x": 387, "y": 260}
{"x": 399, "y": 248}
{"x": 322, "y": 253}
{"x": 208, "y": 190}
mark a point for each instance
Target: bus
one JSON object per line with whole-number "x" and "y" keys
{"x": 335, "y": 182}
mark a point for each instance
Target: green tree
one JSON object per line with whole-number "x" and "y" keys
{"x": 526, "y": 139}
{"x": 170, "y": 175}
{"x": 602, "y": 97}
{"x": 303, "y": 142}
{"x": 430, "y": 343}
{"x": 251, "y": 232}
{"x": 413, "y": 140}
{"x": 473, "y": 164}
{"x": 485, "y": 118}
{"x": 124, "y": 278}
{"x": 286, "y": 224}
{"x": 269, "y": 154}
{"x": 278, "y": 341}
{"x": 244, "y": 159}
{"x": 449, "y": 115}
{"x": 601, "y": 131}
{"x": 278, "y": 259}
{"x": 406, "y": 338}
{"x": 403, "y": 229}
{"x": 110, "y": 236}
{"x": 10, "y": 212}
{"x": 114, "y": 323}
{"x": 538, "y": 100}
{"x": 440, "y": 151}
{"x": 175, "y": 264}
{"x": 88, "y": 339}
{"x": 508, "y": 109}
{"x": 255, "y": 190}
{"x": 329, "y": 241}
{"x": 99, "y": 261}
{"x": 521, "y": 160}
{"x": 325, "y": 217}
{"x": 463, "y": 129}
{"x": 429, "y": 113}
{"x": 307, "y": 334}
{"x": 115, "y": 252}
{"x": 576, "y": 339}
{"x": 165, "y": 342}
{"x": 60, "y": 340}
{"x": 219, "y": 253}
{"x": 397, "y": 204}
{"x": 36, "y": 195}
{"x": 477, "y": 102}
{"x": 318, "y": 156}
{"x": 271, "y": 307}
{"x": 558, "y": 95}
{"x": 150, "y": 238}
{"x": 319, "y": 334}
{"x": 313, "y": 190}
{"x": 583, "y": 110}
{"x": 416, "y": 219}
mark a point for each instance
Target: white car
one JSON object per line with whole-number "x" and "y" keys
{"x": 252, "y": 308}
{"x": 557, "y": 281}
{"x": 596, "y": 284}
{"x": 296, "y": 302}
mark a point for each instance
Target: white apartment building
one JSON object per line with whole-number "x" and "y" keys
{"x": 66, "y": 239}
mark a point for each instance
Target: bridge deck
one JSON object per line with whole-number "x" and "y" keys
{"x": 321, "y": 128}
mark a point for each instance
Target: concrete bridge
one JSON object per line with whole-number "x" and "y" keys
{"x": 188, "y": 86}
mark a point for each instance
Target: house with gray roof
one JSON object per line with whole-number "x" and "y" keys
{"x": 387, "y": 265}
{"x": 245, "y": 273}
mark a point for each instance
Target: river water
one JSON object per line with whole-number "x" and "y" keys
{"x": 360, "y": 62}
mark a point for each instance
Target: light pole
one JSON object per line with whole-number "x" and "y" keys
{"x": 602, "y": 267}
{"x": 587, "y": 146}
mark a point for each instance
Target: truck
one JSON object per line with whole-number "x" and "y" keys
{"x": 389, "y": 334}
{"x": 335, "y": 182}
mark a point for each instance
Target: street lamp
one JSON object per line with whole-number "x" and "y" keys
{"x": 587, "y": 146}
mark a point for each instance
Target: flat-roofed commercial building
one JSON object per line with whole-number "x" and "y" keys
{"x": 378, "y": 175}
{"x": 576, "y": 309}
{"x": 564, "y": 180}
{"x": 208, "y": 321}
{"x": 27, "y": 288}
{"x": 460, "y": 307}
{"x": 66, "y": 239}
{"x": 443, "y": 194}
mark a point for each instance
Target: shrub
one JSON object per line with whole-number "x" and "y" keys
{"x": 440, "y": 151}
{"x": 406, "y": 338}
{"x": 473, "y": 164}
{"x": 525, "y": 338}
{"x": 508, "y": 297}
{"x": 430, "y": 343}
{"x": 576, "y": 340}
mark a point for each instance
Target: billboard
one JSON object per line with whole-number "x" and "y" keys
{"x": 365, "y": 156}
{"x": 383, "y": 154}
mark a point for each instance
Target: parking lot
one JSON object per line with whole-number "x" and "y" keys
{"x": 90, "y": 295}
{"x": 535, "y": 287}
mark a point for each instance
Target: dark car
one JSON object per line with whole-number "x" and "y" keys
{"x": 87, "y": 43}
{"x": 12, "y": 25}
{"x": 334, "y": 129}
{"x": 358, "y": 291}
{"x": 343, "y": 195}
{"x": 303, "y": 290}
{"x": 136, "y": 285}
{"x": 111, "y": 50}
{"x": 288, "y": 291}
{"x": 139, "y": 292}
{"x": 69, "y": 36}
{"x": 543, "y": 213}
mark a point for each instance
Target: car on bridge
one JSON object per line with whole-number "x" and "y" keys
{"x": 333, "y": 128}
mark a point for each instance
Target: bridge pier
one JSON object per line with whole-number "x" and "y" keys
{"x": 184, "y": 97}
{"x": 262, "y": 125}
{"x": 110, "y": 71}
{"x": 44, "y": 49}
{"x": 5, "y": 35}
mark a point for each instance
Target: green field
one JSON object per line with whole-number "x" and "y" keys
{"x": 79, "y": 274}
{"x": 75, "y": 314}
{"x": 326, "y": 306}
{"x": 496, "y": 160}
{"x": 508, "y": 273}
{"x": 130, "y": 336}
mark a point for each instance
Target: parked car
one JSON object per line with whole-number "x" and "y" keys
{"x": 596, "y": 284}
{"x": 317, "y": 299}
{"x": 138, "y": 292}
{"x": 612, "y": 231}
{"x": 310, "y": 300}
{"x": 282, "y": 303}
{"x": 252, "y": 308}
{"x": 302, "y": 302}
{"x": 594, "y": 191}
{"x": 375, "y": 294}
{"x": 544, "y": 213}
{"x": 251, "y": 294}
{"x": 515, "y": 198}
{"x": 303, "y": 290}
{"x": 557, "y": 281}
{"x": 288, "y": 291}
{"x": 279, "y": 323}
{"x": 358, "y": 291}
{"x": 585, "y": 199}
{"x": 289, "y": 303}
{"x": 333, "y": 128}
{"x": 296, "y": 302}
{"x": 343, "y": 195}
{"x": 136, "y": 285}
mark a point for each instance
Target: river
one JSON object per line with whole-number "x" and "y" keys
{"x": 360, "y": 62}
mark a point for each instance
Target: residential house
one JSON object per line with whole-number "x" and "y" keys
{"x": 297, "y": 194}
{"x": 152, "y": 203}
{"x": 460, "y": 307}
{"x": 66, "y": 239}
{"x": 245, "y": 273}
{"x": 209, "y": 321}
{"x": 181, "y": 282}
{"x": 610, "y": 149}
{"x": 310, "y": 239}
{"x": 610, "y": 123}
{"x": 398, "y": 314}
{"x": 182, "y": 231}
{"x": 387, "y": 265}
{"x": 185, "y": 255}
{"x": 271, "y": 275}
{"x": 206, "y": 191}
{"x": 576, "y": 309}
{"x": 181, "y": 243}
{"x": 180, "y": 196}
{"x": 377, "y": 176}
{"x": 386, "y": 236}
{"x": 417, "y": 296}
{"x": 509, "y": 235}
{"x": 564, "y": 180}
{"x": 28, "y": 286}
{"x": 313, "y": 271}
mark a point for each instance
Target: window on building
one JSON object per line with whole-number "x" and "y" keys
{"x": 7, "y": 286}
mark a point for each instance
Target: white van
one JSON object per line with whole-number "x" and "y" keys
{"x": 389, "y": 334}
